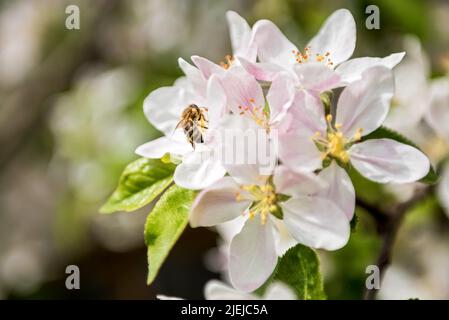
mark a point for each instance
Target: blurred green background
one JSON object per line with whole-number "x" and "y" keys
{"x": 71, "y": 117}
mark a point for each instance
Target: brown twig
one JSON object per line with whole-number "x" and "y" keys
{"x": 388, "y": 222}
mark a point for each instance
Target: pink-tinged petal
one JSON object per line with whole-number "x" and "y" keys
{"x": 199, "y": 169}
{"x": 337, "y": 36}
{"x": 365, "y": 103}
{"x": 194, "y": 76}
{"x": 280, "y": 97}
{"x": 241, "y": 36}
{"x": 438, "y": 115}
{"x": 207, "y": 67}
{"x": 253, "y": 255}
{"x": 386, "y": 160}
{"x": 297, "y": 183}
{"x": 229, "y": 229}
{"x": 298, "y": 151}
{"x": 262, "y": 71}
{"x": 352, "y": 70}
{"x": 217, "y": 290}
{"x": 217, "y": 204}
{"x": 215, "y": 101}
{"x": 316, "y": 77}
{"x": 157, "y": 148}
{"x": 242, "y": 90}
{"x": 279, "y": 291}
{"x": 272, "y": 45}
{"x": 316, "y": 222}
{"x": 163, "y": 107}
{"x": 443, "y": 189}
{"x": 339, "y": 188}
{"x": 307, "y": 114}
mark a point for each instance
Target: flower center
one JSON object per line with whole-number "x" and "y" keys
{"x": 264, "y": 200}
{"x": 335, "y": 144}
{"x": 229, "y": 60}
{"x": 258, "y": 114}
{"x": 308, "y": 56}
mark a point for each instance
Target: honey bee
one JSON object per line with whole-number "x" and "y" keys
{"x": 194, "y": 123}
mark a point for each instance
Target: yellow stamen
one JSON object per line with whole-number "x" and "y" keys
{"x": 335, "y": 144}
{"x": 264, "y": 200}
{"x": 305, "y": 57}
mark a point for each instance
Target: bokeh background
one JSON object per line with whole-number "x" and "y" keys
{"x": 71, "y": 117}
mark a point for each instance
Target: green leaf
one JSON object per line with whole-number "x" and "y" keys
{"x": 299, "y": 268}
{"x": 384, "y": 132}
{"x": 141, "y": 182}
{"x": 165, "y": 224}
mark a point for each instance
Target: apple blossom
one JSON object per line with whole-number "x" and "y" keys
{"x": 361, "y": 109}
{"x": 323, "y": 64}
{"x": 310, "y": 218}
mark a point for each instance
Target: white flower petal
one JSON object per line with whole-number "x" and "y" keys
{"x": 438, "y": 115}
{"x": 316, "y": 222}
{"x": 411, "y": 96}
{"x": 246, "y": 151}
{"x": 194, "y": 76}
{"x": 298, "y": 152}
{"x": 164, "y": 297}
{"x": 253, "y": 255}
{"x": 217, "y": 204}
{"x": 337, "y": 36}
{"x": 280, "y": 96}
{"x": 279, "y": 291}
{"x": 207, "y": 67}
{"x": 262, "y": 71}
{"x": 316, "y": 77}
{"x": 307, "y": 114}
{"x": 272, "y": 45}
{"x": 215, "y": 102}
{"x": 242, "y": 90}
{"x": 198, "y": 170}
{"x": 297, "y": 183}
{"x": 217, "y": 290}
{"x": 340, "y": 189}
{"x": 352, "y": 70}
{"x": 365, "y": 103}
{"x": 157, "y": 148}
{"x": 386, "y": 160}
{"x": 229, "y": 229}
{"x": 241, "y": 36}
{"x": 163, "y": 107}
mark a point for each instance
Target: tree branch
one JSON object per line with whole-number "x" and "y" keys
{"x": 388, "y": 222}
